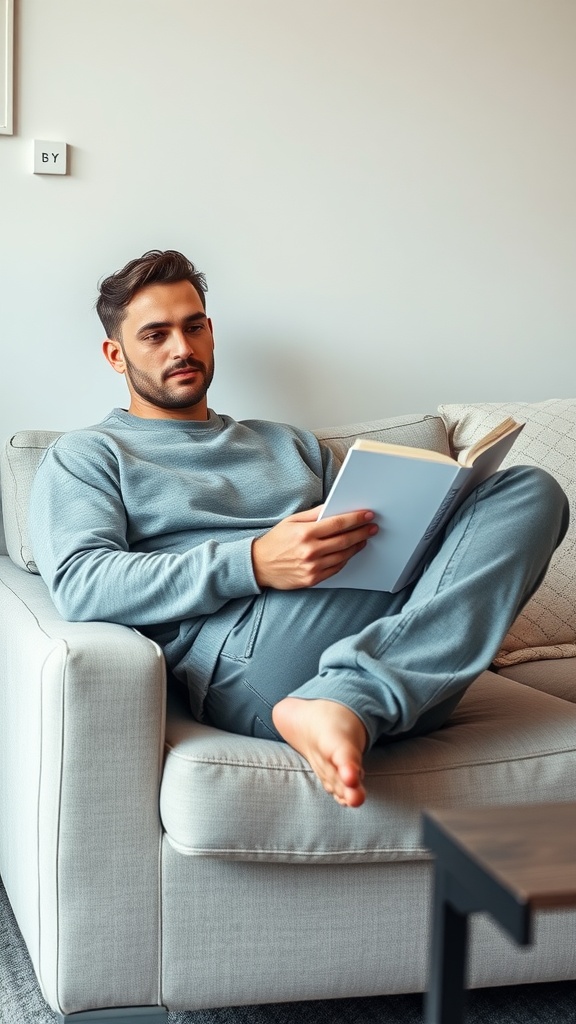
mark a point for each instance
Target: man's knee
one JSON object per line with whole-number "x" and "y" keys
{"x": 537, "y": 490}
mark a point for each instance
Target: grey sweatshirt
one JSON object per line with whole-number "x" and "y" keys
{"x": 148, "y": 522}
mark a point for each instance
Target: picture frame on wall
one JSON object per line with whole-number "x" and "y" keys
{"x": 6, "y": 65}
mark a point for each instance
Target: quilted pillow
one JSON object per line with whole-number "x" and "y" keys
{"x": 546, "y": 628}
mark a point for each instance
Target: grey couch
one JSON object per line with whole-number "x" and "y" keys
{"x": 153, "y": 862}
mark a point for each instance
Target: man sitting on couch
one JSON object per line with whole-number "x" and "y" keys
{"x": 203, "y": 533}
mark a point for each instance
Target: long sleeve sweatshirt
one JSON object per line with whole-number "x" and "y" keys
{"x": 145, "y": 522}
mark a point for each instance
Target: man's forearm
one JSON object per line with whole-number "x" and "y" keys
{"x": 141, "y": 588}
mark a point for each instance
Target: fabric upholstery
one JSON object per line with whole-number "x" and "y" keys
{"x": 248, "y": 799}
{"x": 82, "y": 713}
{"x": 3, "y": 548}
{"x": 264, "y": 933}
{"x": 18, "y": 463}
{"x": 553, "y": 675}
{"x": 546, "y": 627}
{"x": 419, "y": 431}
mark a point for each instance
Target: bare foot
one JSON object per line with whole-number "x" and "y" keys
{"x": 331, "y": 738}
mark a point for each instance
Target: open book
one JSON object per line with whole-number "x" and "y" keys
{"x": 413, "y": 493}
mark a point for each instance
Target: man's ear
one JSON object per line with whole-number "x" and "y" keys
{"x": 113, "y": 353}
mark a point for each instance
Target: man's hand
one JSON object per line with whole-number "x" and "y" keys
{"x": 301, "y": 550}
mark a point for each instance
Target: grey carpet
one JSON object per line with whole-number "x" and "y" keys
{"x": 22, "y": 1003}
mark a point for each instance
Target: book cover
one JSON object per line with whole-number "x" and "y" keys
{"x": 412, "y": 497}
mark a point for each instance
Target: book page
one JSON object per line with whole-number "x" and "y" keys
{"x": 363, "y": 444}
{"x": 508, "y": 426}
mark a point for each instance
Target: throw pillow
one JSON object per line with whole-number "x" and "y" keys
{"x": 546, "y": 628}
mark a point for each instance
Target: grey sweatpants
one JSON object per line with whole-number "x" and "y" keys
{"x": 401, "y": 661}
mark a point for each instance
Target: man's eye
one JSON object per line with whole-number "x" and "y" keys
{"x": 194, "y": 328}
{"x": 157, "y": 336}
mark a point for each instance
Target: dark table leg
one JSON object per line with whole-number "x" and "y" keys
{"x": 445, "y": 999}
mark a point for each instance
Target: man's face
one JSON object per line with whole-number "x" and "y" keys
{"x": 166, "y": 352}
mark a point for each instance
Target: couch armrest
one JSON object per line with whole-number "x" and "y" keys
{"x": 82, "y": 714}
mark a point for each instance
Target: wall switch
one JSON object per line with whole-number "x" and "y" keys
{"x": 49, "y": 157}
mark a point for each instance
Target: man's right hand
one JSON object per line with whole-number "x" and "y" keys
{"x": 302, "y": 550}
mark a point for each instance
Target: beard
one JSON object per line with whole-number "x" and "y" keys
{"x": 161, "y": 394}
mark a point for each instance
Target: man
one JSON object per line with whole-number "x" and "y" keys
{"x": 203, "y": 533}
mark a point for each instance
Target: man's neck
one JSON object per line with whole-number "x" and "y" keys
{"x": 148, "y": 411}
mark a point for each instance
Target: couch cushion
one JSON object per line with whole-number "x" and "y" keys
{"x": 3, "y": 548}
{"x": 554, "y": 675}
{"x": 19, "y": 462}
{"x": 418, "y": 430}
{"x": 546, "y": 628}
{"x": 23, "y": 452}
{"x": 250, "y": 799}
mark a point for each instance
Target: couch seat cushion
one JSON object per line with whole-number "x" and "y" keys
{"x": 553, "y": 675}
{"x": 249, "y": 799}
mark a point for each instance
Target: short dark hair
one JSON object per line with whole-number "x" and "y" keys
{"x": 154, "y": 267}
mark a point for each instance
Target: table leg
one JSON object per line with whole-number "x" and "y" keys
{"x": 444, "y": 1002}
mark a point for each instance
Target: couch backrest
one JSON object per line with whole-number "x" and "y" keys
{"x": 22, "y": 453}
{"x": 417, "y": 430}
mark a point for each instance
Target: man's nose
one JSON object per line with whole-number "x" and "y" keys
{"x": 182, "y": 344}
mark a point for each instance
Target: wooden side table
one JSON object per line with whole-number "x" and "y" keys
{"x": 507, "y": 861}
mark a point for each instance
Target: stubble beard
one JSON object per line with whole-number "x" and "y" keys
{"x": 161, "y": 396}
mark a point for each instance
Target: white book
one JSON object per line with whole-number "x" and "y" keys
{"x": 413, "y": 493}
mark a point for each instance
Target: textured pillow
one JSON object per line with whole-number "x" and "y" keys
{"x": 23, "y": 452}
{"x": 20, "y": 458}
{"x": 3, "y": 548}
{"x": 546, "y": 628}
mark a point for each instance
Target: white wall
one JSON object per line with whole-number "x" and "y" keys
{"x": 381, "y": 193}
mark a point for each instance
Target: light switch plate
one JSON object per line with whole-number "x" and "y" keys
{"x": 49, "y": 157}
